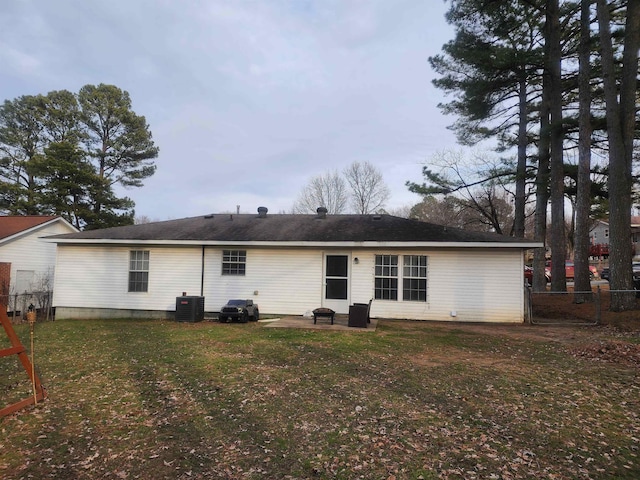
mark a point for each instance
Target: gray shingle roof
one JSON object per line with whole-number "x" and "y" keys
{"x": 292, "y": 228}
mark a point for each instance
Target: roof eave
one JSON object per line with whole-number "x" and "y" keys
{"x": 314, "y": 244}
{"x": 35, "y": 228}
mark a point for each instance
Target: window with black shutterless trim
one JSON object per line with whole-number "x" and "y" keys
{"x": 234, "y": 262}
{"x": 139, "y": 270}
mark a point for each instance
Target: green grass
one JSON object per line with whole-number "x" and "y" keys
{"x": 159, "y": 399}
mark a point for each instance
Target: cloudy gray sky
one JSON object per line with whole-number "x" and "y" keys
{"x": 247, "y": 100}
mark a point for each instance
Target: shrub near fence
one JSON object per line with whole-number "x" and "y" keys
{"x": 19, "y": 304}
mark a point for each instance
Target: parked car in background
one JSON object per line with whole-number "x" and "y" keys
{"x": 604, "y": 274}
{"x": 241, "y": 310}
{"x": 528, "y": 275}
{"x": 569, "y": 271}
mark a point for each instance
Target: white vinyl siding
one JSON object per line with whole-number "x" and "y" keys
{"x": 29, "y": 252}
{"x": 280, "y": 281}
{"x": 477, "y": 285}
{"x": 98, "y": 277}
{"x": 471, "y": 284}
{"x": 286, "y": 281}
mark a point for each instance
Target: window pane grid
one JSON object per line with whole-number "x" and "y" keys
{"x": 386, "y": 277}
{"x": 386, "y": 288}
{"x": 139, "y": 261}
{"x": 234, "y": 262}
{"x": 139, "y": 271}
{"x": 414, "y": 283}
{"x": 138, "y": 281}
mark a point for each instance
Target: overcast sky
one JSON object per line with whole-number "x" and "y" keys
{"x": 247, "y": 100}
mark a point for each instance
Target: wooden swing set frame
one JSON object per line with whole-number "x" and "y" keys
{"x": 39, "y": 393}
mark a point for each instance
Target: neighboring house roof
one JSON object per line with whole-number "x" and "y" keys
{"x": 635, "y": 222}
{"x": 284, "y": 229}
{"x": 12, "y": 226}
{"x": 597, "y": 223}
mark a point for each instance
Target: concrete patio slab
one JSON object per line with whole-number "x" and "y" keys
{"x": 340, "y": 323}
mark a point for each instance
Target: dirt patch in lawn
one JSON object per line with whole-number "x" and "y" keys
{"x": 559, "y": 319}
{"x": 567, "y": 308}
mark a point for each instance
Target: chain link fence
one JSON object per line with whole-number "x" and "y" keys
{"x": 19, "y": 304}
{"x": 574, "y": 308}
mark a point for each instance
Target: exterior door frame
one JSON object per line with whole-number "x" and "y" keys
{"x": 340, "y": 305}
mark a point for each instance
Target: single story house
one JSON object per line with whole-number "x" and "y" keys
{"x": 28, "y": 262}
{"x": 291, "y": 264}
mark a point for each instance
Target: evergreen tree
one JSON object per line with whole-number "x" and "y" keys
{"x": 493, "y": 69}
{"x": 67, "y": 182}
{"x": 93, "y": 140}
{"x": 21, "y": 142}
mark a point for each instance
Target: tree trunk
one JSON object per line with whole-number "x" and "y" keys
{"x": 620, "y": 129}
{"x": 583, "y": 195}
{"x": 542, "y": 188}
{"x": 558, "y": 238}
{"x": 521, "y": 169}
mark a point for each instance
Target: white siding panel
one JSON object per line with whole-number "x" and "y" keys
{"x": 286, "y": 281}
{"x": 477, "y": 285}
{"x": 362, "y": 276}
{"x": 97, "y": 277}
{"x": 30, "y": 252}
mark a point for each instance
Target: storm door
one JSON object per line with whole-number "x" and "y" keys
{"x": 336, "y": 283}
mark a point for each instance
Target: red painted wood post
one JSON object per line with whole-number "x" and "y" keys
{"x": 18, "y": 349}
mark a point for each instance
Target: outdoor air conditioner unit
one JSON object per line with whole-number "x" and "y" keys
{"x": 189, "y": 309}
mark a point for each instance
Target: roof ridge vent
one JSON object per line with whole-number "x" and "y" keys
{"x": 377, "y": 216}
{"x": 262, "y": 212}
{"x": 322, "y": 212}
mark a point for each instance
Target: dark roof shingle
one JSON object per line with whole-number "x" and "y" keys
{"x": 291, "y": 228}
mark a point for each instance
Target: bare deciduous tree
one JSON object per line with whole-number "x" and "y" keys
{"x": 328, "y": 190}
{"x": 479, "y": 184}
{"x": 369, "y": 193}
{"x": 142, "y": 219}
{"x": 403, "y": 211}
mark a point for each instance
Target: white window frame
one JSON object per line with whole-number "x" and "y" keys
{"x": 234, "y": 262}
{"x": 386, "y": 277}
{"x": 401, "y": 277}
{"x": 139, "y": 271}
{"x": 414, "y": 272}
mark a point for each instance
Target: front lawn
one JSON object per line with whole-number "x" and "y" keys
{"x": 414, "y": 400}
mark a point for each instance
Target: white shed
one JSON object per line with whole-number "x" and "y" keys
{"x": 31, "y": 260}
